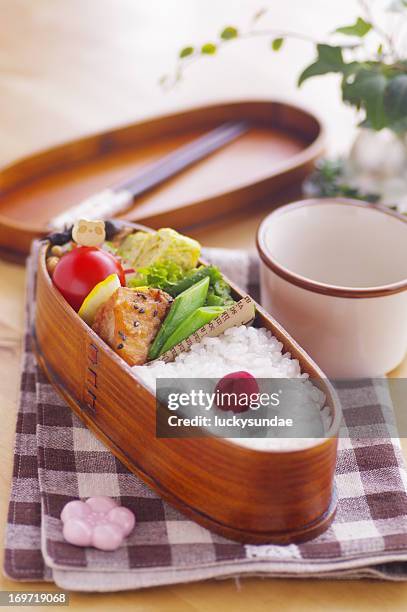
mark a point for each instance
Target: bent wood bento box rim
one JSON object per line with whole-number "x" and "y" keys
{"x": 317, "y": 373}
{"x": 302, "y": 506}
{"x": 35, "y": 165}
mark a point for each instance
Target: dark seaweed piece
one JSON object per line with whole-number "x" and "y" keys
{"x": 60, "y": 238}
{"x": 112, "y": 228}
{"x": 122, "y": 335}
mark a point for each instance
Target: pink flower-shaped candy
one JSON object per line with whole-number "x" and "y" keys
{"x": 98, "y": 522}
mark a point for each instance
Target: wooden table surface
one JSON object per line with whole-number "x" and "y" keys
{"x": 72, "y": 67}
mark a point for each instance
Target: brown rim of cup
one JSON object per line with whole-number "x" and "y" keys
{"x": 319, "y": 287}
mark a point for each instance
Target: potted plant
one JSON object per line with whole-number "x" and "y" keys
{"x": 369, "y": 58}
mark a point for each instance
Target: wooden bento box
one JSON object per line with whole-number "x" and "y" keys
{"x": 247, "y": 495}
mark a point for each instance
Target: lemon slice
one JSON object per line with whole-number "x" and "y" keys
{"x": 99, "y": 294}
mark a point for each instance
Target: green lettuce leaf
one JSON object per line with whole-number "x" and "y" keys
{"x": 161, "y": 276}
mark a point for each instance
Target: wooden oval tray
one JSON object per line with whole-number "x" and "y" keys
{"x": 279, "y": 149}
{"x": 241, "y": 493}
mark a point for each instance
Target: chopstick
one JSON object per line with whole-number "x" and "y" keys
{"x": 184, "y": 157}
{"x": 118, "y": 198}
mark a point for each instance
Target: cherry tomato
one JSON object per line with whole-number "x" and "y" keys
{"x": 81, "y": 269}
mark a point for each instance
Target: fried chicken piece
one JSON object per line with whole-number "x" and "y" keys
{"x": 130, "y": 320}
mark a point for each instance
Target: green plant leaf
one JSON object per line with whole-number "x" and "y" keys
{"x": 185, "y": 52}
{"x": 366, "y": 91}
{"x": 330, "y": 179}
{"x": 329, "y": 59}
{"x": 229, "y": 33}
{"x": 208, "y": 49}
{"x": 395, "y": 100}
{"x": 277, "y": 43}
{"x": 359, "y": 28}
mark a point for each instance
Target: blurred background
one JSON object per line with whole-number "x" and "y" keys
{"x": 73, "y": 67}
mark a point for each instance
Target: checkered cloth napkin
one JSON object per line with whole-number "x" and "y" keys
{"x": 57, "y": 459}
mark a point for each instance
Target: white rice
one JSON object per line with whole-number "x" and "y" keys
{"x": 258, "y": 352}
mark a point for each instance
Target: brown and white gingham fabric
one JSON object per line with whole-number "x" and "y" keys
{"x": 57, "y": 459}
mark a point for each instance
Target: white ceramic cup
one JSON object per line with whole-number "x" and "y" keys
{"x": 334, "y": 274}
